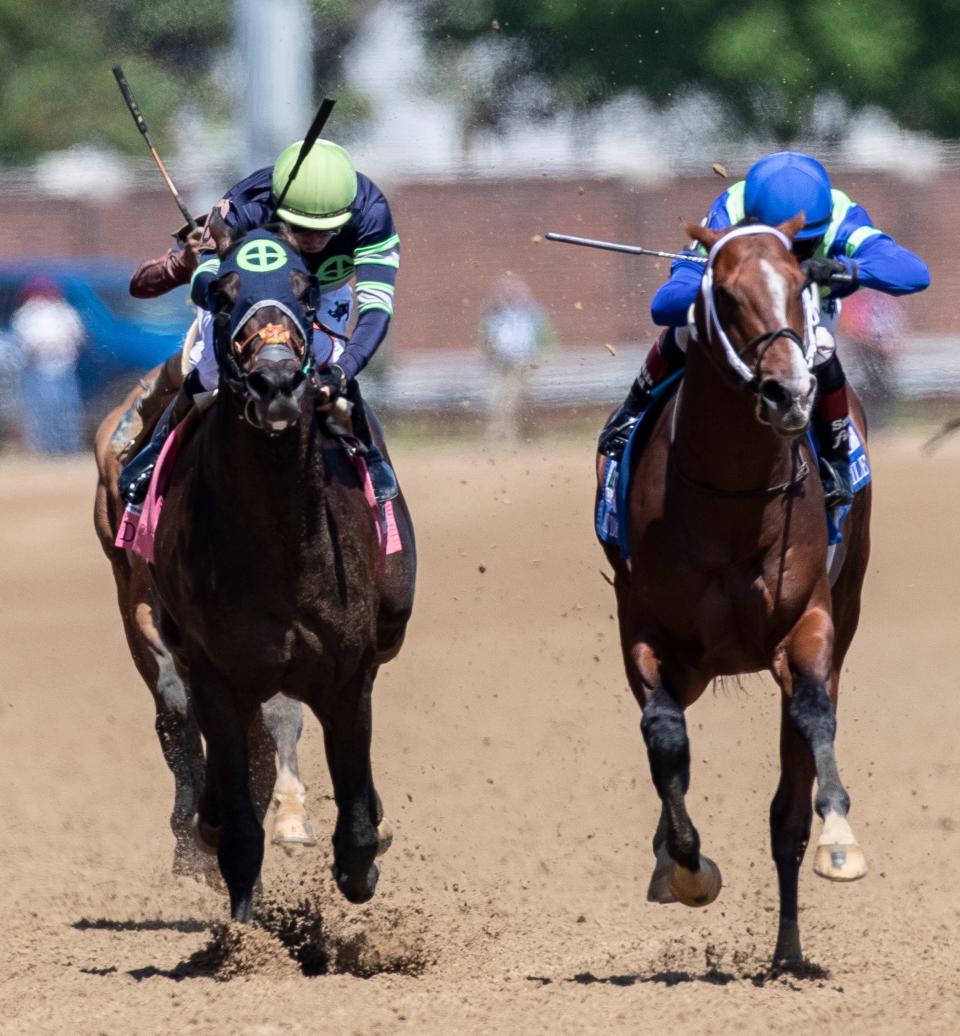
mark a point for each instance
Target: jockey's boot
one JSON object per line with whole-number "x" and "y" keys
{"x": 664, "y": 358}
{"x": 134, "y": 481}
{"x": 382, "y": 476}
{"x": 831, "y": 419}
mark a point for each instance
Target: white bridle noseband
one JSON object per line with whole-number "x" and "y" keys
{"x": 715, "y": 327}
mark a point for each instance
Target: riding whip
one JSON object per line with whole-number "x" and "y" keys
{"x": 614, "y": 246}
{"x": 316, "y": 128}
{"x": 142, "y": 126}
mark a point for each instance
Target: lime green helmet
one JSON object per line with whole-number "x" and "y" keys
{"x": 324, "y": 189}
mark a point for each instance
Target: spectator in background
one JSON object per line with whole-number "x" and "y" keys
{"x": 873, "y": 326}
{"x": 50, "y": 335}
{"x": 513, "y": 331}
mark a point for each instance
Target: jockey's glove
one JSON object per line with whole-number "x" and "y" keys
{"x": 826, "y": 270}
{"x": 332, "y": 378}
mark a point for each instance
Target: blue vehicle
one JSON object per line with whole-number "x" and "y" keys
{"x": 125, "y": 336}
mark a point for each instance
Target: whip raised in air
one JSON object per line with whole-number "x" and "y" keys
{"x": 316, "y": 128}
{"x": 614, "y": 246}
{"x": 142, "y": 126}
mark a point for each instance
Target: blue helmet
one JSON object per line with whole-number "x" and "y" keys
{"x": 783, "y": 184}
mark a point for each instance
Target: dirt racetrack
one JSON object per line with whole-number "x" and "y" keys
{"x": 509, "y": 757}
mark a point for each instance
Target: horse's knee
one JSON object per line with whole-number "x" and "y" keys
{"x": 665, "y": 735}
{"x": 812, "y": 713}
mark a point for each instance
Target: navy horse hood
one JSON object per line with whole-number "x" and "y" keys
{"x": 263, "y": 262}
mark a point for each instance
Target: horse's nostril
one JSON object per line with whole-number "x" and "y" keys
{"x": 259, "y": 384}
{"x": 775, "y": 394}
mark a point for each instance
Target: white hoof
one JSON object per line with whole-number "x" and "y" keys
{"x": 384, "y": 836}
{"x": 292, "y": 829}
{"x": 838, "y": 857}
{"x": 696, "y": 888}
{"x": 659, "y": 891}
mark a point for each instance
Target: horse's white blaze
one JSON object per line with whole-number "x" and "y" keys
{"x": 777, "y": 286}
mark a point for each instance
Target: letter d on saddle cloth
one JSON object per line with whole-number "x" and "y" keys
{"x": 819, "y": 345}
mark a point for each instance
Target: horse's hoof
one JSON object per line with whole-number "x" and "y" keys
{"x": 696, "y": 888}
{"x": 658, "y": 891}
{"x": 838, "y": 857}
{"x": 840, "y": 862}
{"x": 206, "y": 836}
{"x": 788, "y": 953}
{"x": 384, "y": 836}
{"x": 358, "y": 890}
{"x": 292, "y": 830}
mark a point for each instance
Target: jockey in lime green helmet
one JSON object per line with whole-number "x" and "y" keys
{"x": 345, "y": 233}
{"x": 323, "y": 191}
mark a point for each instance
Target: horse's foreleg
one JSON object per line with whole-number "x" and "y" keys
{"x": 356, "y": 839}
{"x": 283, "y": 718}
{"x": 790, "y": 815}
{"x": 681, "y": 872}
{"x": 227, "y": 815}
{"x": 813, "y": 714}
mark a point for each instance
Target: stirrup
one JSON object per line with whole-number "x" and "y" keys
{"x": 134, "y": 481}
{"x": 615, "y": 436}
{"x": 835, "y": 478}
{"x": 385, "y": 486}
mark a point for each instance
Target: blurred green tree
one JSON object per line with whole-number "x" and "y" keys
{"x": 765, "y": 61}
{"x": 56, "y": 89}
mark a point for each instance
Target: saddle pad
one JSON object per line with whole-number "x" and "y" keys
{"x": 614, "y": 491}
{"x": 860, "y": 476}
{"x": 138, "y": 526}
{"x": 388, "y": 533}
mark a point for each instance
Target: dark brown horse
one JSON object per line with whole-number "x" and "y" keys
{"x": 728, "y": 567}
{"x": 273, "y": 735}
{"x": 270, "y": 577}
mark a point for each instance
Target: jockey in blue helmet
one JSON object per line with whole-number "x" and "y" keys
{"x": 837, "y": 237}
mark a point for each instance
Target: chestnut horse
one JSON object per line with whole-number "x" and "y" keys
{"x": 728, "y": 568}
{"x": 270, "y": 576}
{"x": 274, "y": 734}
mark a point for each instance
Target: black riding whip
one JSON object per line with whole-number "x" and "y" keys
{"x": 316, "y": 128}
{"x": 142, "y": 126}
{"x": 614, "y": 246}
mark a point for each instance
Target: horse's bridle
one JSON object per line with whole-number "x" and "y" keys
{"x": 740, "y": 371}
{"x": 272, "y": 336}
{"x": 750, "y": 378}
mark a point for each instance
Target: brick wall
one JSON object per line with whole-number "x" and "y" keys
{"x": 458, "y": 239}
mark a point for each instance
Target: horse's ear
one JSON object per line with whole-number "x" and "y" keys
{"x": 227, "y": 291}
{"x": 220, "y": 232}
{"x": 792, "y": 227}
{"x": 284, "y": 232}
{"x": 302, "y": 285}
{"x": 706, "y": 237}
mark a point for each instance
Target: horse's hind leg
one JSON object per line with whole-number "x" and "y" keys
{"x": 357, "y": 840}
{"x": 283, "y": 718}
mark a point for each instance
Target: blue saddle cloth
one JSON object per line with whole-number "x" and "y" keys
{"x": 615, "y": 491}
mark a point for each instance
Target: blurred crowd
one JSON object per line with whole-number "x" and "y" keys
{"x": 39, "y": 392}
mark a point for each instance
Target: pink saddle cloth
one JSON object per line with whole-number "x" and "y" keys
{"x": 138, "y": 527}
